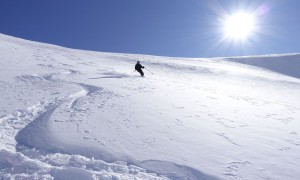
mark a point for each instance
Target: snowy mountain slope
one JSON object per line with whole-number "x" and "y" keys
{"x": 284, "y": 64}
{"x": 78, "y": 114}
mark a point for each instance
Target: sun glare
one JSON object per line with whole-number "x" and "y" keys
{"x": 239, "y": 26}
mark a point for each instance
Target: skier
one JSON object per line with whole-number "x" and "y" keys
{"x": 139, "y": 67}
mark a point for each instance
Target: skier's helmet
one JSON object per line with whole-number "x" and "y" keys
{"x": 138, "y": 62}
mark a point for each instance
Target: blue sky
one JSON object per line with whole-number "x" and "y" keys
{"x": 184, "y": 28}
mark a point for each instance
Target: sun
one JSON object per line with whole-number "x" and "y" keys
{"x": 239, "y": 26}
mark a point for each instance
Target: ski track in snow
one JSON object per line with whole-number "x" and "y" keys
{"x": 38, "y": 159}
{"x": 34, "y": 122}
{"x": 77, "y": 118}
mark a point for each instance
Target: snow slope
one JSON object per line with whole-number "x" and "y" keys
{"x": 73, "y": 114}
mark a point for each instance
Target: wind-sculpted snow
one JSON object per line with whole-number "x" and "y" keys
{"x": 72, "y": 114}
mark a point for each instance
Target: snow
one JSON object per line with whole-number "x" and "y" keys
{"x": 74, "y": 114}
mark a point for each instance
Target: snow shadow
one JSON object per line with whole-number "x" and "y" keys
{"x": 175, "y": 171}
{"x": 283, "y": 64}
{"x": 111, "y": 75}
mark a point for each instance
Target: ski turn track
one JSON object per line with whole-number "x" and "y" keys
{"x": 33, "y": 151}
{"x": 25, "y": 157}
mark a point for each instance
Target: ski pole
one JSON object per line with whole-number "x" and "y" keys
{"x": 149, "y": 70}
{"x": 133, "y": 71}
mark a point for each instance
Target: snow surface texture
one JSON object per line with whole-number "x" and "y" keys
{"x": 73, "y": 114}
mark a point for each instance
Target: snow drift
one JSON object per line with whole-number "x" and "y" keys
{"x": 73, "y": 114}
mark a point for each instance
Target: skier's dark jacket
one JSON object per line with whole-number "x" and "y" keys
{"x": 138, "y": 67}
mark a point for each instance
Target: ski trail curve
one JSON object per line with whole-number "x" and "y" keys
{"x": 31, "y": 152}
{"x": 38, "y": 135}
{"x": 35, "y": 140}
{"x": 13, "y": 123}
